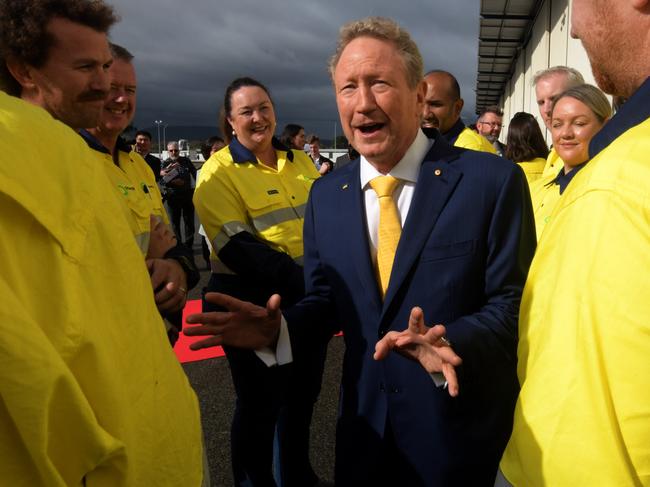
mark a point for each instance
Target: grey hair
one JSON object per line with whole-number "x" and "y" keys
{"x": 590, "y": 96}
{"x": 387, "y": 30}
{"x": 573, "y": 76}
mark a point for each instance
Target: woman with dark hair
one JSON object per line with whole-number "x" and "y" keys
{"x": 293, "y": 136}
{"x": 251, "y": 198}
{"x": 526, "y": 145}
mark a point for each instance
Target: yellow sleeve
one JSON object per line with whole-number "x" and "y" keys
{"x": 218, "y": 203}
{"x": 50, "y": 435}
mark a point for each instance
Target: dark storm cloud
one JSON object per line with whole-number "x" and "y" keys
{"x": 187, "y": 52}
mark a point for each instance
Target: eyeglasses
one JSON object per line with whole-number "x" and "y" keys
{"x": 172, "y": 150}
{"x": 492, "y": 124}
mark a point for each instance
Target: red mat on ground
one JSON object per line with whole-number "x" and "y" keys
{"x": 182, "y": 347}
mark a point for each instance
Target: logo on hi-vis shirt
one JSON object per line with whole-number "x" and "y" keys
{"x": 125, "y": 189}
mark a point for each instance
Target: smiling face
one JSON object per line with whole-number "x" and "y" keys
{"x": 489, "y": 126}
{"x": 380, "y": 112}
{"x": 573, "y": 125}
{"x": 119, "y": 107}
{"x": 142, "y": 144}
{"x": 441, "y": 108}
{"x": 252, "y": 118}
{"x": 73, "y": 83}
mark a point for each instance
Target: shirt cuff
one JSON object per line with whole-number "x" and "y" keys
{"x": 282, "y": 354}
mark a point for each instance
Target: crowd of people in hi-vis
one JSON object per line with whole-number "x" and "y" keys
{"x": 493, "y": 297}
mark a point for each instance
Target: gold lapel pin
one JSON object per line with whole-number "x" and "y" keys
{"x": 437, "y": 172}
{"x": 345, "y": 186}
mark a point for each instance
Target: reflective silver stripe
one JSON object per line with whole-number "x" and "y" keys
{"x": 228, "y": 230}
{"x": 219, "y": 267}
{"x": 264, "y": 222}
{"x": 143, "y": 242}
{"x": 300, "y": 260}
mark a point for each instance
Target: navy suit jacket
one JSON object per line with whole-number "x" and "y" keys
{"x": 462, "y": 257}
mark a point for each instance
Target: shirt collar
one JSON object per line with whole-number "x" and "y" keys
{"x": 407, "y": 169}
{"x": 241, "y": 154}
{"x": 452, "y": 134}
{"x": 633, "y": 112}
{"x": 95, "y": 144}
{"x": 563, "y": 180}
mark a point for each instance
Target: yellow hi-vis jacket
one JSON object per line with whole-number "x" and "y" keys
{"x": 553, "y": 163}
{"x": 583, "y": 414}
{"x": 136, "y": 186}
{"x": 91, "y": 393}
{"x": 533, "y": 169}
{"x": 469, "y": 139}
{"x": 239, "y": 194}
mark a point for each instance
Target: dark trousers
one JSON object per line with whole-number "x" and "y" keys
{"x": 180, "y": 205}
{"x": 279, "y": 397}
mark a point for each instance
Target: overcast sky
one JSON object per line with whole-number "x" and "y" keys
{"x": 188, "y": 51}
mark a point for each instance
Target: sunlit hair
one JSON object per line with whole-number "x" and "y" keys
{"x": 24, "y": 35}
{"x": 573, "y": 76}
{"x": 592, "y": 97}
{"x": 525, "y": 139}
{"x": 226, "y": 108}
{"x": 387, "y": 30}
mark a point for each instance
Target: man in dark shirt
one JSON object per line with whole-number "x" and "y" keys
{"x": 143, "y": 147}
{"x": 177, "y": 174}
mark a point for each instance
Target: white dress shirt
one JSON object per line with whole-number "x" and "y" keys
{"x": 406, "y": 171}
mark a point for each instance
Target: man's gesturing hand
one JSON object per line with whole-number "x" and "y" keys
{"x": 243, "y": 325}
{"x": 425, "y": 345}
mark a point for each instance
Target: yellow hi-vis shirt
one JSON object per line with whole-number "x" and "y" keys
{"x": 232, "y": 197}
{"x": 136, "y": 186}
{"x": 91, "y": 393}
{"x": 583, "y": 414}
{"x": 533, "y": 169}
{"x": 544, "y": 195}
{"x": 553, "y": 163}
{"x": 469, "y": 139}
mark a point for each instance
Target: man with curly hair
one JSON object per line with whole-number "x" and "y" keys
{"x": 91, "y": 394}
{"x": 54, "y": 54}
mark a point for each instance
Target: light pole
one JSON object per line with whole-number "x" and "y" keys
{"x": 164, "y": 136}
{"x": 158, "y": 122}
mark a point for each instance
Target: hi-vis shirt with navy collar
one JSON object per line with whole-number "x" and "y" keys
{"x": 236, "y": 193}
{"x": 136, "y": 184}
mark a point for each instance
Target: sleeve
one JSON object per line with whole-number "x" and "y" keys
{"x": 49, "y": 431}
{"x": 313, "y": 319}
{"x": 222, "y": 212}
{"x": 487, "y": 340}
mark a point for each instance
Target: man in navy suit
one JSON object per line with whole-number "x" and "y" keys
{"x": 438, "y": 412}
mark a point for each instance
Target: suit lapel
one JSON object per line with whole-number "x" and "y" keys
{"x": 436, "y": 183}
{"x": 352, "y": 216}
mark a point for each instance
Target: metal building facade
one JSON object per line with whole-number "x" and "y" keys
{"x": 517, "y": 38}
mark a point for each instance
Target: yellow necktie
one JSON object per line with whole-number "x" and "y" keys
{"x": 390, "y": 227}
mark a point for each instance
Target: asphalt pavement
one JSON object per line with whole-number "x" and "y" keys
{"x": 213, "y": 385}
